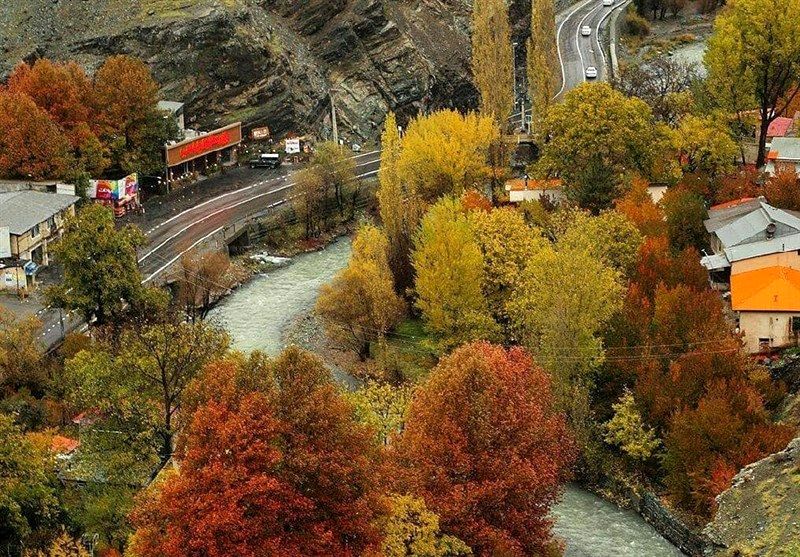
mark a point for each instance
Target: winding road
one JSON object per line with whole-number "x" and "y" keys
{"x": 171, "y": 236}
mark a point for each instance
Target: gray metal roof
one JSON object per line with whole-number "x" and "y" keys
{"x": 733, "y": 230}
{"x": 757, "y": 249}
{"x": 786, "y": 148}
{"x": 743, "y": 228}
{"x": 715, "y": 262}
{"x": 718, "y": 218}
{"x": 171, "y": 106}
{"x": 22, "y": 210}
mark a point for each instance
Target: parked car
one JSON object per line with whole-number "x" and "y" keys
{"x": 265, "y": 160}
{"x": 608, "y": 2}
{"x": 586, "y": 30}
{"x": 591, "y": 72}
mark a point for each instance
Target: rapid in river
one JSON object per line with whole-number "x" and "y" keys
{"x": 256, "y": 316}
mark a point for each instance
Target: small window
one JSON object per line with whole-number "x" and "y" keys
{"x": 764, "y": 343}
{"x": 796, "y": 324}
{"x": 51, "y": 222}
{"x": 35, "y": 231}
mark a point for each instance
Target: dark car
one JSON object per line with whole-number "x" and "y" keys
{"x": 266, "y": 160}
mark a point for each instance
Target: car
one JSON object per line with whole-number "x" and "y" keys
{"x": 608, "y": 2}
{"x": 591, "y": 72}
{"x": 265, "y": 160}
{"x": 586, "y": 30}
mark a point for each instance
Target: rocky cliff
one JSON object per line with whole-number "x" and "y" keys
{"x": 760, "y": 514}
{"x": 267, "y": 62}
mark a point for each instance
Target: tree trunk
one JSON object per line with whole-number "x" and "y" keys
{"x": 762, "y": 142}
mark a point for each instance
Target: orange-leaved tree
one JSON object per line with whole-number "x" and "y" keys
{"x": 485, "y": 449}
{"x": 273, "y": 463}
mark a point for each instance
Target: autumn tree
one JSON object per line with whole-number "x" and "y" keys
{"x": 450, "y": 276}
{"x": 628, "y": 431}
{"x": 753, "y": 59}
{"x": 149, "y": 366}
{"x": 101, "y": 269}
{"x": 272, "y": 463}
{"x": 446, "y": 153}
{"x": 201, "y": 279}
{"x": 638, "y": 206}
{"x": 738, "y": 185}
{"x": 664, "y": 83}
{"x": 336, "y": 171}
{"x": 21, "y": 361}
{"x": 382, "y": 406}
{"x": 783, "y": 190}
{"x": 543, "y": 77}
{"x": 594, "y": 161}
{"x": 397, "y": 208}
{"x": 486, "y": 451}
{"x": 360, "y": 305}
{"x": 705, "y": 145}
{"x": 309, "y": 201}
{"x": 412, "y": 530}
{"x": 492, "y": 59}
{"x": 609, "y": 237}
{"x": 31, "y": 144}
{"x": 507, "y": 242}
{"x": 28, "y": 503}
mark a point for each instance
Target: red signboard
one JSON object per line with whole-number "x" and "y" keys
{"x": 207, "y": 143}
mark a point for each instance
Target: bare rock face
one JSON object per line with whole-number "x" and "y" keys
{"x": 760, "y": 513}
{"x": 267, "y": 62}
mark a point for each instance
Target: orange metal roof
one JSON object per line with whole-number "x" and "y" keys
{"x": 518, "y": 184}
{"x": 64, "y": 445}
{"x": 767, "y": 289}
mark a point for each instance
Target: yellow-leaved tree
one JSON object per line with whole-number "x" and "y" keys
{"x": 450, "y": 276}
{"x": 360, "y": 304}
{"x": 492, "y": 59}
{"x": 446, "y": 153}
{"x": 412, "y": 529}
{"x": 544, "y": 74}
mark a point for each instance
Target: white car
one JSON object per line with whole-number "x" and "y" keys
{"x": 591, "y": 72}
{"x": 608, "y": 2}
{"x": 586, "y": 30}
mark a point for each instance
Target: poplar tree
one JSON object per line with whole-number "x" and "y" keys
{"x": 492, "y": 59}
{"x": 543, "y": 75}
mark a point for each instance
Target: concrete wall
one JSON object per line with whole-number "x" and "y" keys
{"x": 789, "y": 259}
{"x": 12, "y": 278}
{"x": 774, "y": 326}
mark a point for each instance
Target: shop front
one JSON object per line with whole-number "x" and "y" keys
{"x": 191, "y": 156}
{"x": 121, "y": 195}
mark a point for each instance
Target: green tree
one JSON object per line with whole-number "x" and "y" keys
{"x": 753, "y": 59}
{"x": 337, "y": 171}
{"x": 597, "y": 138}
{"x": 28, "y": 505}
{"x": 610, "y": 237}
{"x": 309, "y": 202}
{"x": 628, "y": 431}
{"x": 450, "y": 276}
{"x": 705, "y": 145}
{"x": 360, "y": 304}
{"x": 492, "y": 59}
{"x": 412, "y": 530}
{"x": 101, "y": 270}
{"x": 543, "y": 77}
{"x": 21, "y": 361}
{"x": 684, "y": 212}
{"x": 139, "y": 377}
{"x": 446, "y": 153}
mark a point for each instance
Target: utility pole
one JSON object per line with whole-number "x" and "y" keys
{"x": 334, "y": 127}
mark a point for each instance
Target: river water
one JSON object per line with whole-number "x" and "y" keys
{"x": 256, "y": 316}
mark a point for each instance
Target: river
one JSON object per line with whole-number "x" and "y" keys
{"x": 256, "y": 316}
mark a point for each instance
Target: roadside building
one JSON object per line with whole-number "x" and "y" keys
{"x": 198, "y": 152}
{"x": 29, "y": 221}
{"x": 756, "y": 258}
{"x": 784, "y": 155}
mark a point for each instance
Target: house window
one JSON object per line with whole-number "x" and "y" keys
{"x": 51, "y": 223}
{"x": 764, "y": 343}
{"x": 796, "y": 324}
{"x": 35, "y": 231}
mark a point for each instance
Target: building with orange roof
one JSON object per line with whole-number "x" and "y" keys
{"x": 768, "y": 303}
{"x": 530, "y": 189}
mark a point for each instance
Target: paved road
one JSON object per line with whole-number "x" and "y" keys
{"x": 577, "y": 52}
{"x": 170, "y": 236}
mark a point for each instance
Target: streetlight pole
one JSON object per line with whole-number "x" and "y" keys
{"x": 334, "y": 127}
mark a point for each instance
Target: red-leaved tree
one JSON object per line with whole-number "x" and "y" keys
{"x": 273, "y": 463}
{"x": 485, "y": 449}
